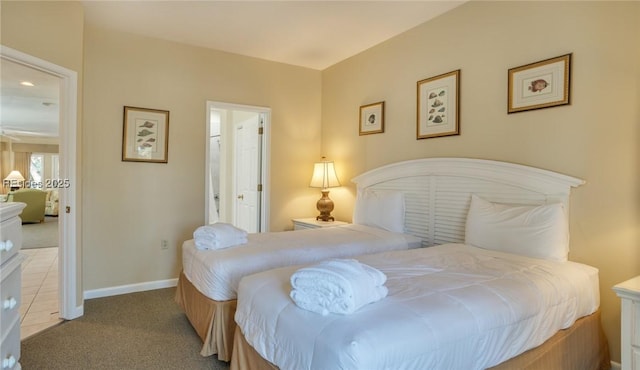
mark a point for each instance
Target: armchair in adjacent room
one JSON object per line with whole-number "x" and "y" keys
{"x": 35, "y": 200}
{"x": 51, "y": 203}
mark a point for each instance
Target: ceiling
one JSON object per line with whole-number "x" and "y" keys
{"x": 311, "y": 34}
{"x": 28, "y": 113}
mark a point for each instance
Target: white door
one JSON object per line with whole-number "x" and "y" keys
{"x": 243, "y": 168}
{"x": 248, "y": 173}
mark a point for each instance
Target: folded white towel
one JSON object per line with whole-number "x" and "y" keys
{"x": 324, "y": 305}
{"x": 338, "y": 286}
{"x": 219, "y": 235}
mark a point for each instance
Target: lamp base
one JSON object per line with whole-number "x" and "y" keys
{"x": 325, "y": 218}
{"x": 325, "y": 206}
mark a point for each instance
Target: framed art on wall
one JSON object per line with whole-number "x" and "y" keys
{"x": 372, "y": 118}
{"x": 438, "y": 106}
{"x": 145, "y": 135}
{"x": 540, "y": 85}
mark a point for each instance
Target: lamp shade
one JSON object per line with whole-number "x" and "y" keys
{"x": 324, "y": 176}
{"x": 14, "y": 175}
{"x": 14, "y": 180}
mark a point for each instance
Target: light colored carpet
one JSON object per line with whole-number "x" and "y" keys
{"x": 146, "y": 330}
{"x": 42, "y": 235}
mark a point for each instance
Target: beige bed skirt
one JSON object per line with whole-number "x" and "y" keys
{"x": 212, "y": 320}
{"x": 580, "y": 347}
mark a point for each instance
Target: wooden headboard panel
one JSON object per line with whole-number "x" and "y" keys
{"x": 438, "y": 191}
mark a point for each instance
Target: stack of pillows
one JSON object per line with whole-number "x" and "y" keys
{"x": 383, "y": 209}
{"x": 540, "y": 231}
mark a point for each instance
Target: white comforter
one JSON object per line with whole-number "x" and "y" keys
{"x": 449, "y": 307}
{"x": 216, "y": 273}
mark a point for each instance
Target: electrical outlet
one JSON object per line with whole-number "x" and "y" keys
{"x": 164, "y": 244}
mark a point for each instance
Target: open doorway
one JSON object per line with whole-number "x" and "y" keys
{"x": 70, "y": 304}
{"x": 236, "y": 171}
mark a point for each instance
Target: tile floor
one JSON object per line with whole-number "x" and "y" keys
{"x": 39, "y": 309}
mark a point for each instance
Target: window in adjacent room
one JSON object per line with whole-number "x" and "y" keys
{"x": 36, "y": 170}
{"x": 55, "y": 167}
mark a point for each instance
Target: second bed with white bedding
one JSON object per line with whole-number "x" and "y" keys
{"x": 217, "y": 273}
{"x": 449, "y": 307}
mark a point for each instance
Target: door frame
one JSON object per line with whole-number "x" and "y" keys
{"x": 71, "y": 303}
{"x": 225, "y": 139}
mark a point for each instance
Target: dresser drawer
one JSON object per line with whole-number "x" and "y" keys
{"x": 10, "y": 348}
{"x": 10, "y": 297}
{"x": 10, "y": 238}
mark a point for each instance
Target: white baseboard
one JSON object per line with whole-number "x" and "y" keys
{"x": 131, "y": 288}
{"x": 615, "y": 366}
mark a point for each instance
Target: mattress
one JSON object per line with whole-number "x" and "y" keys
{"x": 449, "y": 307}
{"x": 217, "y": 273}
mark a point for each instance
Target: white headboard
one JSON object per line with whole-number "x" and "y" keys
{"x": 438, "y": 191}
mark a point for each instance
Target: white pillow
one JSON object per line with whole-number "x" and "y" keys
{"x": 534, "y": 231}
{"x": 383, "y": 209}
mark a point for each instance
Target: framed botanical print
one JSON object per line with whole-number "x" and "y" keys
{"x": 372, "y": 118}
{"x": 439, "y": 106}
{"x": 540, "y": 85}
{"x": 145, "y": 135}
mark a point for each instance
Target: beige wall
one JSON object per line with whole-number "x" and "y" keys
{"x": 595, "y": 138}
{"x": 49, "y": 30}
{"x": 130, "y": 207}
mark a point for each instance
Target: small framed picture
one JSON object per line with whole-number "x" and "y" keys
{"x": 145, "y": 135}
{"x": 372, "y": 118}
{"x": 438, "y": 106}
{"x": 540, "y": 85}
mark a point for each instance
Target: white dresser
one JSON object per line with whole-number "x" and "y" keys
{"x": 629, "y": 292}
{"x": 10, "y": 284}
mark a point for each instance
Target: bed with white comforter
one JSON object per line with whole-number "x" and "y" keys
{"x": 452, "y": 306}
{"x": 216, "y": 273}
{"x": 208, "y": 284}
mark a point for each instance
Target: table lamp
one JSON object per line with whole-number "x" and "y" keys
{"x": 14, "y": 180}
{"x": 324, "y": 177}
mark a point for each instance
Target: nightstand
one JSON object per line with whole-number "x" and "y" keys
{"x": 312, "y": 223}
{"x": 629, "y": 292}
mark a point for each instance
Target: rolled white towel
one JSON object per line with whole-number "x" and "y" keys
{"x": 325, "y": 304}
{"x": 219, "y": 235}
{"x": 337, "y": 271}
{"x": 338, "y": 286}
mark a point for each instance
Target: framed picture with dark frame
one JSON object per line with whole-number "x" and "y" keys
{"x": 372, "y": 118}
{"x": 540, "y": 85}
{"x": 145, "y": 135}
{"x": 438, "y": 108}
